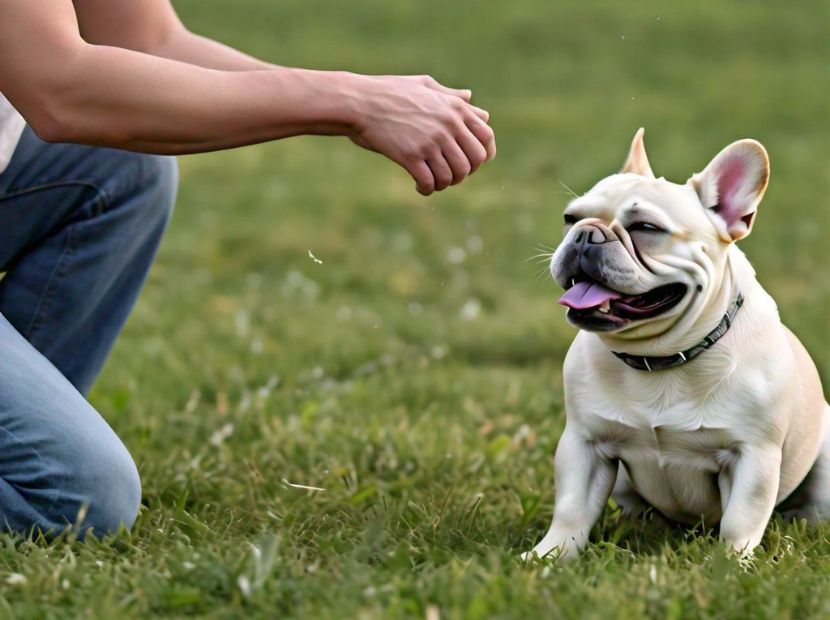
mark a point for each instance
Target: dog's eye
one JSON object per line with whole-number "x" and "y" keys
{"x": 570, "y": 219}
{"x": 644, "y": 226}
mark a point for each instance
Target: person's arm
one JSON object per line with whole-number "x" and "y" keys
{"x": 72, "y": 91}
{"x": 153, "y": 27}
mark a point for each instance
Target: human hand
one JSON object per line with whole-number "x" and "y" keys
{"x": 432, "y": 131}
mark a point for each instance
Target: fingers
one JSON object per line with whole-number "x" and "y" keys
{"x": 441, "y": 172}
{"x": 459, "y": 163}
{"x": 474, "y": 150}
{"x": 431, "y": 82}
{"x": 424, "y": 181}
{"x": 454, "y": 141}
{"x": 454, "y": 163}
{"x": 458, "y": 158}
{"x": 477, "y": 122}
{"x": 483, "y": 133}
{"x": 447, "y": 167}
{"x": 482, "y": 114}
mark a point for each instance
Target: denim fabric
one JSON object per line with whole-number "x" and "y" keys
{"x": 79, "y": 227}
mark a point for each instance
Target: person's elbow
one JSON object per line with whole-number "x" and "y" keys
{"x": 55, "y": 93}
{"x": 58, "y": 112}
{"x": 46, "y": 102}
{"x": 58, "y": 121}
{"x": 48, "y": 120}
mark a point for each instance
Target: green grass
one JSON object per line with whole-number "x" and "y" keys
{"x": 431, "y": 427}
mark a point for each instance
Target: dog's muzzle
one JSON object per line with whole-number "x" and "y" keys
{"x": 595, "y": 252}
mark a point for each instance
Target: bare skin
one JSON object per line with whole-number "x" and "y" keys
{"x": 129, "y": 75}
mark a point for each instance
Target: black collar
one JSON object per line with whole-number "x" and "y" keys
{"x": 641, "y": 362}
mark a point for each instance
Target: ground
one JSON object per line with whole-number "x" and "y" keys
{"x": 414, "y": 373}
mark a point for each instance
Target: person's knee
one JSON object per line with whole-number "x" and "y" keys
{"x": 62, "y": 464}
{"x": 111, "y": 495}
{"x": 159, "y": 184}
{"x": 142, "y": 185}
{"x": 99, "y": 496}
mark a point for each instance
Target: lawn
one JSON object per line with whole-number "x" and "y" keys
{"x": 415, "y": 373}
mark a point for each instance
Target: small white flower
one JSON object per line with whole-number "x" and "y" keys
{"x": 242, "y": 322}
{"x": 475, "y": 244}
{"x": 244, "y": 585}
{"x": 438, "y": 352}
{"x": 456, "y": 255}
{"x": 220, "y": 435}
{"x": 471, "y": 309}
{"x": 402, "y": 242}
{"x": 16, "y": 579}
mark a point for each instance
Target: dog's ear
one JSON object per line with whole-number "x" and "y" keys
{"x": 732, "y": 185}
{"x": 637, "y": 162}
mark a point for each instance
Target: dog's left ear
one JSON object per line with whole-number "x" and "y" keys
{"x": 732, "y": 185}
{"x": 637, "y": 162}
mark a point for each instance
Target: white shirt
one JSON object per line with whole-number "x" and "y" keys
{"x": 11, "y": 126}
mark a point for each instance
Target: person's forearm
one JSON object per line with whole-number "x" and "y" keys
{"x": 123, "y": 93}
{"x": 152, "y": 27}
{"x": 124, "y": 99}
{"x": 185, "y": 46}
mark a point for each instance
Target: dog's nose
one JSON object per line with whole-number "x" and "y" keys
{"x": 591, "y": 235}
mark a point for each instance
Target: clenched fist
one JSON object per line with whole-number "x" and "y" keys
{"x": 432, "y": 131}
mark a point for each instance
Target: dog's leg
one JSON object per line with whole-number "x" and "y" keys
{"x": 583, "y": 485}
{"x": 631, "y": 502}
{"x": 751, "y": 485}
{"x": 814, "y": 505}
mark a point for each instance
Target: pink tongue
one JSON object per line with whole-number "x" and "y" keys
{"x": 584, "y": 295}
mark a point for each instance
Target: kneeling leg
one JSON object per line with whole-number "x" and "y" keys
{"x": 61, "y": 465}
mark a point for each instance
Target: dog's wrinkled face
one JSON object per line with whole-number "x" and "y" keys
{"x": 640, "y": 252}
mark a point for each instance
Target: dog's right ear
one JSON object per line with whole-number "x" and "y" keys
{"x": 732, "y": 185}
{"x": 637, "y": 162}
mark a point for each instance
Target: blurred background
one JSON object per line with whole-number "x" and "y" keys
{"x": 424, "y": 352}
{"x": 424, "y": 296}
{"x": 567, "y": 84}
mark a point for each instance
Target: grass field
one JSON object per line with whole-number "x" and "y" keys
{"x": 415, "y": 374}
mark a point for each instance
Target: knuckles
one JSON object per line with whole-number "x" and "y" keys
{"x": 462, "y": 173}
{"x": 489, "y": 134}
{"x": 443, "y": 178}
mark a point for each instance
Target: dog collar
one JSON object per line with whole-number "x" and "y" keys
{"x": 641, "y": 362}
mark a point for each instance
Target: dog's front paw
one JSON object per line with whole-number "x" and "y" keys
{"x": 544, "y": 551}
{"x": 743, "y": 551}
{"x": 527, "y": 556}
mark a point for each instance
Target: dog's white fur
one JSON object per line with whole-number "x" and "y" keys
{"x": 724, "y": 438}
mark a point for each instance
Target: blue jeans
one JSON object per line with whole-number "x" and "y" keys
{"x": 79, "y": 227}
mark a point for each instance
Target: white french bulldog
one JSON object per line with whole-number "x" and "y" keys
{"x": 683, "y": 389}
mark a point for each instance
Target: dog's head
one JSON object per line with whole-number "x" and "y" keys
{"x": 640, "y": 253}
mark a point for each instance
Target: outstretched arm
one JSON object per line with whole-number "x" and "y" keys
{"x": 70, "y": 90}
{"x": 153, "y": 27}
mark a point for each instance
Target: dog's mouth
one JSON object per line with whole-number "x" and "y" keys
{"x": 594, "y": 306}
